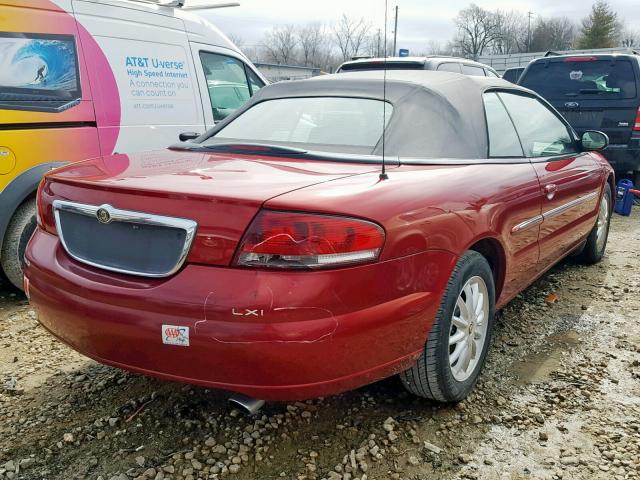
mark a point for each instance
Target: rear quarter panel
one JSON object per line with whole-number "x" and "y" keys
{"x": 441, "y": 207}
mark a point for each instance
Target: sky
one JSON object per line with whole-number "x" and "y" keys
{"x": 420, "y": 21}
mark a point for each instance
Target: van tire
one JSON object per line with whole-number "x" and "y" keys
{"x": 19, "y": 231}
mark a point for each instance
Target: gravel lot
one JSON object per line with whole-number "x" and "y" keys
{"x": 559, "y": 398}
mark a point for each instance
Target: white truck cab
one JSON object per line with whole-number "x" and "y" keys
{"x": 84, "y": 78}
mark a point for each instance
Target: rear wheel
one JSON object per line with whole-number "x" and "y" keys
{"x": 597, "y": 240}
{"x": 19, "y": 231}
{"x": 456, "y": 348}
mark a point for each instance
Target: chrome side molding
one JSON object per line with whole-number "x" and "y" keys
{"x": 538, "y": 219}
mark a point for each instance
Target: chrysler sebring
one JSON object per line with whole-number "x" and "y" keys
{"x": 330, "y": 233}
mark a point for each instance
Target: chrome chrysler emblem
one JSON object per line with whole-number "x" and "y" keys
{"x": 572, "y": 104}
{"x": 103, "y": 215}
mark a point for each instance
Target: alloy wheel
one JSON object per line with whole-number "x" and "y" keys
{"x": 468, "y": 328}
{"x": 603, "y": 223}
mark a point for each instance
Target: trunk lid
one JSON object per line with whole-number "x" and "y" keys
{"x": 221, "y": 192}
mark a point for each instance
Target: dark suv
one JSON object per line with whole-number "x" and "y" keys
{"x": 595, "y": 92}
{"x": 434, "y": 62}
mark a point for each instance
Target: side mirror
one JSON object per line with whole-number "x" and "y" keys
{"x": 187, "y": 136}
{"x": 594, "y": 140}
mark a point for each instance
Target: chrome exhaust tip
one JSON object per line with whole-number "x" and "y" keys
{"x": 249, "y": 405}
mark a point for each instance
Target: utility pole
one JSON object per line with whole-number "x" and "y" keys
{"x": 529, "y": 14}
{"x": 395, "y": 36}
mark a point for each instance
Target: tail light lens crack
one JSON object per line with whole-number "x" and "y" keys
{"x": 294, "y": 240}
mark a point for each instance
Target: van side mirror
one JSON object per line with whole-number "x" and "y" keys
{"x": 594, "y": 140}
{"x": 187, "y": 136}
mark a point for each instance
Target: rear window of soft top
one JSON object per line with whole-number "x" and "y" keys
{"x": 596, "y": 79}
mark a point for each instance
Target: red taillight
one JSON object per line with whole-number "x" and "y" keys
{"x": 44, "y": 213}
{"x": 580, "y": 59}
{"x": 293, "y": 240}
{"x": 636, "y": 127}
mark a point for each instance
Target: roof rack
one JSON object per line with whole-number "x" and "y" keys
{"x": 181, "y": 4}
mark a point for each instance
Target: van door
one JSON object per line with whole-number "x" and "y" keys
{"x": 149, "y": 94}
{"x": 226, "y": 81}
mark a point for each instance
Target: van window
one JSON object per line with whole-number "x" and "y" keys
{"x": 541, "y": 132}
{"x": 490, "y": 73}
{"x": 228, "y": 83}
{"x": 472, "y": 71}
{"x": 254, "y": 82}
{"x": 503, "y": 139}
{"x": 449, "y": 67}
{"x": 595, "y": 79}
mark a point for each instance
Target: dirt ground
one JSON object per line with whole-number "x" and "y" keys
{"x": 559, "y": 398}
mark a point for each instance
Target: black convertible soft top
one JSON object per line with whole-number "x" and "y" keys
{"x": 435, "y": 114}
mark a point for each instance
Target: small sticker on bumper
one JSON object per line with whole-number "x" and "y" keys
{"x": 175, "y": 335}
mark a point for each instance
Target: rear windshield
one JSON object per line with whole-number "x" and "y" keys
{"x": 337, "y": 124}
{"x": 584, "y": 79}
{"x": 355, "y": 67}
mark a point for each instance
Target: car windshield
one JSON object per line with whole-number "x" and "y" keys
{"x": 588, "y": 78}
{"x": 336, "y": 124}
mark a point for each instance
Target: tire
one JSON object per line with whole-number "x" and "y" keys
{"x": 19, "y": 231}
{"x": 432, "y": 376}
{"x": 597, "y": 240}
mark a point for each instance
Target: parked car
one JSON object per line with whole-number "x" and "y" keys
{"x": 512, "y": 74}
{"x": 434, "y": 62}
{"x": 272, "y": 257}
{"x": 82, "y": 78}
{"x": 595, "y": 92}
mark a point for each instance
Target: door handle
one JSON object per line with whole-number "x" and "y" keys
{"x": 550, "y": 190}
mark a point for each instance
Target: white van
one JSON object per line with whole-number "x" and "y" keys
{"x": 84, "y": 78}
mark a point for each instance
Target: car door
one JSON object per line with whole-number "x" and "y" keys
{"x": 522, "y": 208}
{"x": 226, "y": 81}
{"x": 570, "y": 180}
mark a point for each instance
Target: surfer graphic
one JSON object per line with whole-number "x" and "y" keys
{"x": 40, "y": 75}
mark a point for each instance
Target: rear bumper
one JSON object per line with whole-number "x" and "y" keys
{"x": 271, "y": 335}
{"x": 623, "y": 158}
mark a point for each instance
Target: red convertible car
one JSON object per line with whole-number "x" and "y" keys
{"x": 272, "y": 257}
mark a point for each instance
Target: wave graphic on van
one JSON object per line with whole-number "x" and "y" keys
{"x": 38, "y": 64}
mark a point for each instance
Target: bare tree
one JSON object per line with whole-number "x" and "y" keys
{"x": 553, "y": 34}
{"x": 629, "y": 38}
{"x": 313, "y": 44}
{"x": 478, "y": 29}
{"x": 280, "y": 44}
{"x": 512, "y": 32}
{"x": 236, "y": 39}
{"x": 350, "y": 36}
{"x": 434, "y": 47}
